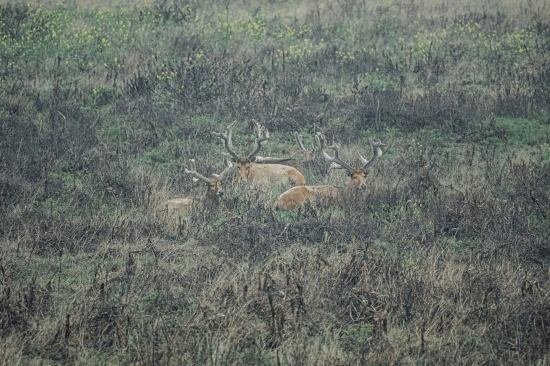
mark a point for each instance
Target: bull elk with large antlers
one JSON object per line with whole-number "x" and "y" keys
{"x": 212, "y": 198}
{"x": 253, "y": 168}
{"x": 296, "y": 197}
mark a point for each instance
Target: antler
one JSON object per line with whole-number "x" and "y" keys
{"x": 226, "y": 137}
{"x": 193, "y": 171}
{"x": 270, "y": 160}
{"x": 375, "y": 144}
{"x": 262, "y": 134}
{"x": 336, "y": 162}
{"x": 228, "y": 167}
{"x": 321, "y": 141}
{"x": 300, "y": 142}
{"x": 259, "y": 130}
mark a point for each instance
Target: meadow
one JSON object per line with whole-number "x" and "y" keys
{"x": 443, "y": 259}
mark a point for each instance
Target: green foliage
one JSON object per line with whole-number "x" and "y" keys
{"x": 151, "y": 296}
{"x": 379, "y": 83}
{"x": 103, "y": 96}
{"x": 155, "y": 157}
{"x": 523, "y": 131}
{"x": 355, "y": 340}
{"x": 472, "y": 342}
{"x": 262, "y": 358}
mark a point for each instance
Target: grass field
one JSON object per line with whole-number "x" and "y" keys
{"x": 443, "y": 259}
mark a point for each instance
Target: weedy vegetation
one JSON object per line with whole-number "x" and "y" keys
{"x": 444, "y": 258}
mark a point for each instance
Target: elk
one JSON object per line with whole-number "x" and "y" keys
{"x": 296, "y": 197}
{"x": 310, "y": 155}
{"x": 253, "y": 168}
{"x": 210, "y": 200}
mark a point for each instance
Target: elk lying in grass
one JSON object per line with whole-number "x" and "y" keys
{"x": 296, "y": 197}
{"x": 213, "y": 196}
{"x": 253, "y": 168}
{"x": 320, "y": 140}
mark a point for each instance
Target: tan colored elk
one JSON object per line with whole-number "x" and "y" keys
{"x": 212, "y": 199}
{"x": 296, "y": 197}
{"x": 320, "y": 140}
{"x": 253, "y": 168}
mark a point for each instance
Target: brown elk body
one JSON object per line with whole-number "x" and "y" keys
{"x": 268, "y": 174}
{"x": 296, "y": 197}
{"x": 253, "y": 168}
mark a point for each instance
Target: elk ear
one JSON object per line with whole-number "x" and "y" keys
{"x": 195, "y": 180}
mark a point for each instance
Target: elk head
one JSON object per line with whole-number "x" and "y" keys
{"x": 358, "y": 176}
{"x": 214, "y": 184}
{"x": 177, "y": 206}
